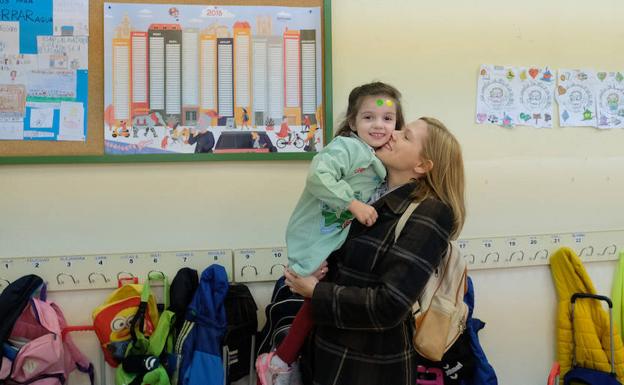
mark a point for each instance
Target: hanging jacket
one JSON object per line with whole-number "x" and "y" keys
{"x": 591, "y": 321}
{"x": 203, "y": 331}
{"x": 616, "y": 295}
{"x": 483, "y": 372}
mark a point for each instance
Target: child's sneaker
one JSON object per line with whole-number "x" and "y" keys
{"x": 269, "y": 374}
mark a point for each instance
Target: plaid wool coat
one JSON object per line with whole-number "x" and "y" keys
{"x": 363, "y": 312}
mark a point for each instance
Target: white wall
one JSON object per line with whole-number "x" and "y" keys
{"x": 520, "y": 181}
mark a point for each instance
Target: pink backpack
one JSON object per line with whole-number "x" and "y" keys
{"x": 36, "y": 352}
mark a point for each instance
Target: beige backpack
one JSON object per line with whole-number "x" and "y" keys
{"x": 440, "y": 312}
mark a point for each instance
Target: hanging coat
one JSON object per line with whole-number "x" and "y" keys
{"x": 616, "y": 295}
{"x": 203, "y": 331}
{"x": 591, "y": 321}
{"x": 483, "y": 372}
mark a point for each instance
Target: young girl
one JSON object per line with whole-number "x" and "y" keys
{"x": 342, "y": 177}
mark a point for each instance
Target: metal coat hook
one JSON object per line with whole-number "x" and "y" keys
{"x": 93, "y": 274}
{"x": 251, "y": 267}
{"x": 5, "y": 280}
{"x": 539, "y": 254}
{"x": 277, "y": 264}
{"x": 157, "y": 272}
{"x": 590, "y": 251}
{"x": 488, "y": 255}
{"x": 471, "y": 261}
{"x": 60, "y": 282}
{"x": 131, "y": 276}
{"x": 604, "y": 252}
{"x": 520, "y": 258}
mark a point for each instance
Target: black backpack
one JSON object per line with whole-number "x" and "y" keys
{"x": 280, "y": 313}
{"x": 242, "y": 325}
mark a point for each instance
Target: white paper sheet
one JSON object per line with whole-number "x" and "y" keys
{"x": 11, "y": 130}
{"x": 71, "y": 16}
{"x": 536, "y": 87}
{"x": 610, "y": 99}
{"x": 576, "y": 97}
{"x": 41, "y": 117}
{"x": 9, "y": 37}
{"x": 63, "y": 52}
{"x": 496, "y": 95}
{"x": 71, "y": 121}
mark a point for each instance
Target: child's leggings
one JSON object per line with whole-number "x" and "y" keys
{"x": 302, "y": 325}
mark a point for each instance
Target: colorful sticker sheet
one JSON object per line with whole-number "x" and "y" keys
{"x": 43, "y": 69}
{"x": 222, "y": 79}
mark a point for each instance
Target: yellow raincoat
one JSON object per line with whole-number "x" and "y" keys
{"x": 591, "y": 321}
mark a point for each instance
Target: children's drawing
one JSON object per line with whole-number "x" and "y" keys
{"x": 536, "y": 89}
{"x": 197, "y": 78}
{"x": 496, "y": 95}
{"x": 575, "y": 96}
{"x": 610, "y": 100}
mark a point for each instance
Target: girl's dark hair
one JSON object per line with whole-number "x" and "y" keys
{"x": 355, "y": 101}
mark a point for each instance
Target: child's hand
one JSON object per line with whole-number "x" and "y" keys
{"x": 365, "y": 214}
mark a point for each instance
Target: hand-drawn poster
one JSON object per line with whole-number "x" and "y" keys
{"x": 43, "y": 64}
{"x": 610, "y": 99}
{"x": 497, "y": 90}
{"x": 222, "y": 79}
{"x": 536, "y": 87}
{"x": 576, "y": 97}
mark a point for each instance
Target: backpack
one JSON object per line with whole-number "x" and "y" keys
{"x": 112, "y": 319}
{"x": 34, "y": 350}
{"x": 242, "y": 325}
{"x": 440, "y": 312}
{"x": 146, "y": 359}
{"x": 201, "y": 338}
{"x": 280, "y": 313}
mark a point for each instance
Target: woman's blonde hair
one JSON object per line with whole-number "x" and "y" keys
{"x": 445, "y": 180}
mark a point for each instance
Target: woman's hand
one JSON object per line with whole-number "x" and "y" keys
{"x": 300, "y": 285}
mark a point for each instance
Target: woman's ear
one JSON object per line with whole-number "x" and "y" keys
{"x": 423, "y": 167}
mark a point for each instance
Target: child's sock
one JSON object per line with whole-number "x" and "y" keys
{"x": 278, "y": 363}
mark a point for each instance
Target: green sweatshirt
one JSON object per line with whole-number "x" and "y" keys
{"x": 345, "y": 170}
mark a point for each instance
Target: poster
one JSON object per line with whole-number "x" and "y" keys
{"x": 221, "y": 79}
{"x": 43, "y": 65}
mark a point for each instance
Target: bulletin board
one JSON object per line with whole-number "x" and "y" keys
{"x": 93, "y": 149}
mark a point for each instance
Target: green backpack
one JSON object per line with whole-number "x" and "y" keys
{"x": 146, "y": 358}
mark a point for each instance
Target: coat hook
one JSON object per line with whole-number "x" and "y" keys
{"x": 488, "y": 255}
{"x": 277, "y": 264}
{"x": 93, "y": 274}
{"x": 539, "y": 253}
{"x": 251, "y": 267}
{"x": 604, "y": 252}
{"x": 471, "y": 261}
{"x": 157, "y": 272}
{"x": 4, "y": 280}
{"x": 590, "y": 251}
{"x": 131, "y": 276}
{"x": 520, "y": 258}
{"x": 60, "y": 282}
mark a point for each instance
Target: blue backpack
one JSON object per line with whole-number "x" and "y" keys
{"x": 200, "y": 339}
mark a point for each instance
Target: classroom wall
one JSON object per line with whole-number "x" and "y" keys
{"x": 519, "y": 181}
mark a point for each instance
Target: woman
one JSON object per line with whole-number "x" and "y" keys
{"x": 364, "y": 325}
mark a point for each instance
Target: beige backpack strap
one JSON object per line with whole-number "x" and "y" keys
{"x": 401, "y": 223}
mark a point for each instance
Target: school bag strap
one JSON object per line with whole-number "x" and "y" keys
{"x": 404, "y": 218}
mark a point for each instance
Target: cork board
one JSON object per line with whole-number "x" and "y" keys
{"x": 92, "y": 150}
